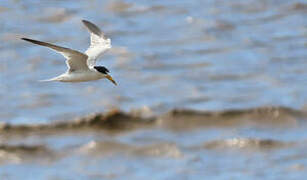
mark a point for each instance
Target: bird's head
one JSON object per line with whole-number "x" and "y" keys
{"x": 103, "y": 70}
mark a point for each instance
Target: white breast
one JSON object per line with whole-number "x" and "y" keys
{"x": 80, "y": 76}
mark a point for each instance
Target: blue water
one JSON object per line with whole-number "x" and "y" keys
{"x": 205, "y": 55}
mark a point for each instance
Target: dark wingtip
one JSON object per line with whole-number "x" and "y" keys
{"x": 84, "y": 21}
{"x": 38, "y": 42}
{"x": 92, "y": 27}
{"x": 27, "y": 39}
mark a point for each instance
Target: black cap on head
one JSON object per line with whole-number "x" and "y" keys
{"x": 102, "y": 69}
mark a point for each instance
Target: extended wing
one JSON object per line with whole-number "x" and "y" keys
{"x": 75, "y": 60}
{"x": 99, "y": 43}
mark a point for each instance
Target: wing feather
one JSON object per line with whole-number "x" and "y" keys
{"x": 99, "y": 43}
{"x": 75, "y": 60}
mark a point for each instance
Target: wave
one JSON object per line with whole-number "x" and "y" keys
{"x": 162, "y": 149}
{"x": 174, "y": 119}
{"x": 246, "y": 144}
{"x": 20, "y": 153}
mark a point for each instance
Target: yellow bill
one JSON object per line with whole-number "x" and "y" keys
{"x": 111, "y": 79}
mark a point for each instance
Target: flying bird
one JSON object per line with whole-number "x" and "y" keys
{"x": 81, "y": 66}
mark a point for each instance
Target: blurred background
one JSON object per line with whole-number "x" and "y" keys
{"x": 241, "y": 62}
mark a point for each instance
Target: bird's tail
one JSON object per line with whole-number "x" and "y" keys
{"x": 48, "y": 80}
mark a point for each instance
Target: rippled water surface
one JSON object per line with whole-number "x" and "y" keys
{"x": 239, "y": 65}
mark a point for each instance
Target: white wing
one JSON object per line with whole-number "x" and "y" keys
{"x": 99, "y": 43}
{"x": 74, "y": 59}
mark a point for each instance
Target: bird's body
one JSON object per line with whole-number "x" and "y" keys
{"x": 81, "y": 66}
{"x": 78, "y": 76}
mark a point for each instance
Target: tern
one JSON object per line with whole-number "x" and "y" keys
{"x": 81, "y": 66}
